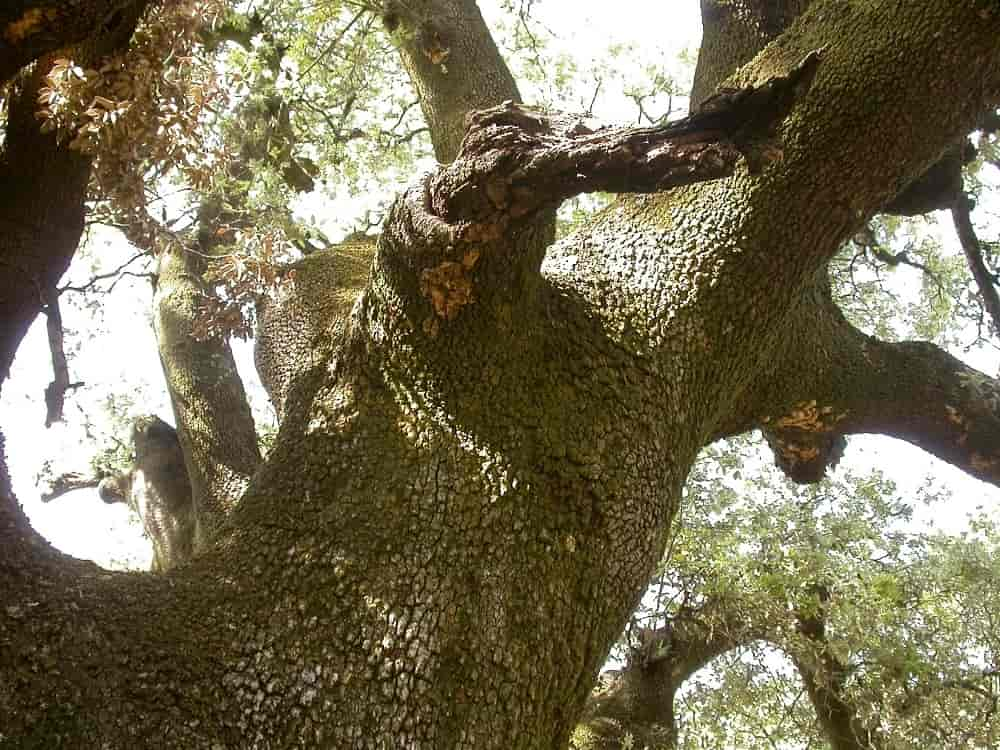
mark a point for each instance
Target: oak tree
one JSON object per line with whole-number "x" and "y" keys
{"x": 484, "y": 434}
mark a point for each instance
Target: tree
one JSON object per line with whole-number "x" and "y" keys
{"x": 482, "y": 452}
{"x": 887, "y": 634}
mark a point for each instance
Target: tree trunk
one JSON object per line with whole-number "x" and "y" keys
{"x": 214, "y": 422}
{"x": 466, "y": 498}
{"x": 43, "y": 182}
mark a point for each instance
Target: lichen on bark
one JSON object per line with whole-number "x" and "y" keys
{"x": 458, "y": 516}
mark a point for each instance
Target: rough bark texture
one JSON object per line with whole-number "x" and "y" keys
{"x": 515, "y": 161}
{"x": 297, "y": 331}
{"x": 210, "y": 406}
{"x": 158, "y": 491}
{"x": 460, "y": 512}
{"x": 32, "y": 28}
{"x": 837, "y": 381}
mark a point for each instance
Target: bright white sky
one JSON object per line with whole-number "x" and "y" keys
{"x": 124, "y": 357}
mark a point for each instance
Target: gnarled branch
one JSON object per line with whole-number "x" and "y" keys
{"x": 515, "y": 160}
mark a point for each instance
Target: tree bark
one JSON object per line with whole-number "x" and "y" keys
{"x": 31, "y": 28}
{"x": 43, "y": 185}
{"x": 461, "y": 511}
{"x": 213, "y": 416}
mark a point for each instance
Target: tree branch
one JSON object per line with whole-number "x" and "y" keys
{"x": 31, "y": 28}
{"x": 55, "y": 392}
{"x": 825, "y": 676}
{"x": 639, "y": 700}
{"x": 43, "y": 182}
{"x": 838, "y": 381}
{"x": 453, "y": 63}
{"x": 213, "y": 418}
{"x": 69, "y": 482}
{"x": 515, "y": 161}
{"x": 116, "y": 273}
{"x": 961, "y": 216}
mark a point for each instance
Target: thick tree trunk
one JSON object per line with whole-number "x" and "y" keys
{"x": 43, "y": 182}
{"x": 32, "y": 28}
{"x": 466, "y": 498}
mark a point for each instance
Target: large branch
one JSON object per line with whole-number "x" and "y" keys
{"x": 733, "y": 33}
{"x": 43, "y": 184}
{"x": 825, "y": 678}
{"x": 42, "y": 188}
{"x": 515, "y": 161}
{"x": 210, "y": 407}
{"x": 453, "y": 63}
{"x": 517, "y": 164}
{"x": 639, "y": 699}
{"x": 838, "y": 381}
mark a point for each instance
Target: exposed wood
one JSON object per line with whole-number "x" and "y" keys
{"x": 515, "y": 160}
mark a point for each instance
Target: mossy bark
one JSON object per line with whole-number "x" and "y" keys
{"x": 213, "y": 417}
{"x": 461, "y": 510}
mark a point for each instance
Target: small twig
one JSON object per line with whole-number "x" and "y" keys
{"x": 69, "y": 482}
{"x": 333, "y": 43}
{"x": 102, "y": 276}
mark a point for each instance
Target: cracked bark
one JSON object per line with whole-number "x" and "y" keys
{"x": 459, "y": 513}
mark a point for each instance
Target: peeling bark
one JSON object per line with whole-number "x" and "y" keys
{"x": 515, "y": 161}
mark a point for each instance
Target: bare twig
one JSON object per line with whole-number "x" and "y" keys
{"x": 69, "y": 482}
{"x": 102, "y": 276}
